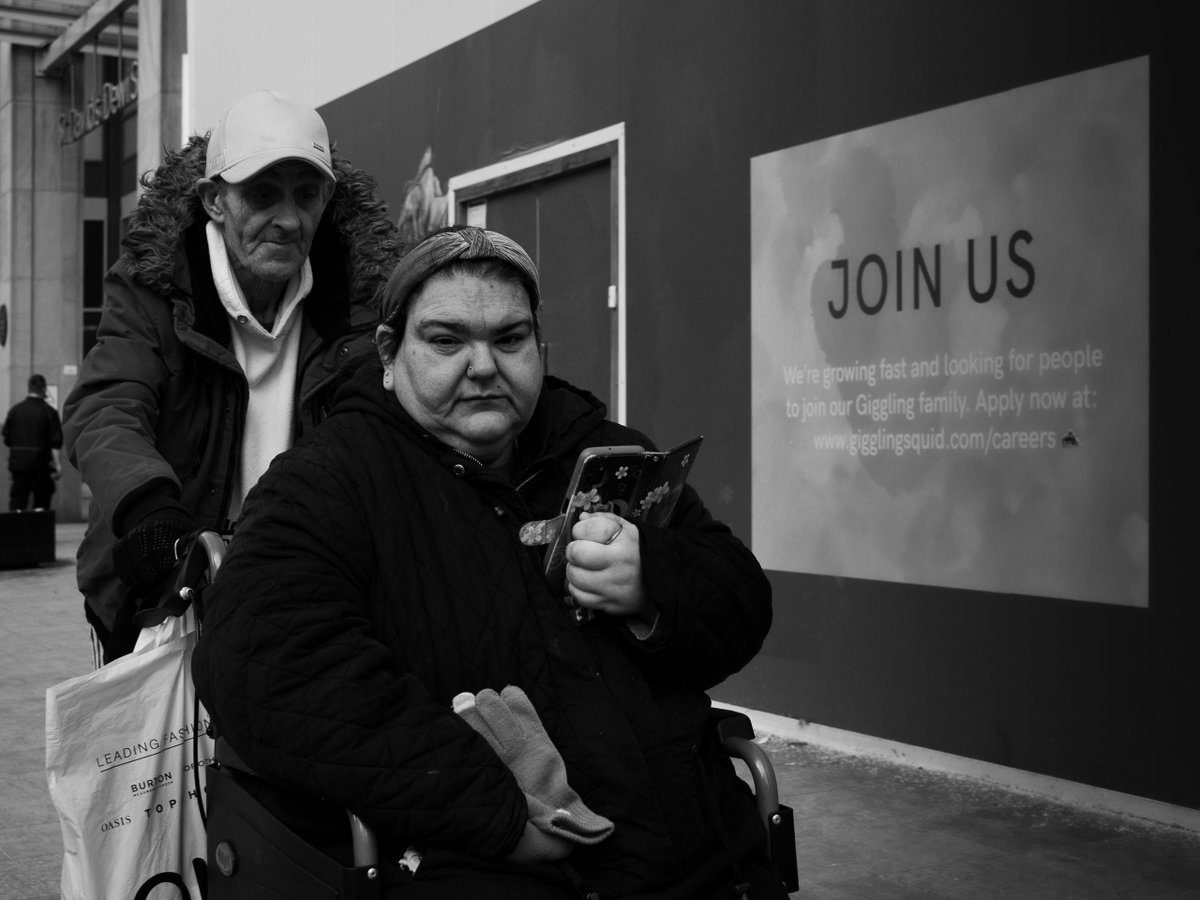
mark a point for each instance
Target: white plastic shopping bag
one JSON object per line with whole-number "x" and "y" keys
{"x": 125, "y": 759}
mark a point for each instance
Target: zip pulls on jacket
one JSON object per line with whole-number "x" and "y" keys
{"x": 577, "y": 614}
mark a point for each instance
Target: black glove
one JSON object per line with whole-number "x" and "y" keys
{"x": 149, "y": 553}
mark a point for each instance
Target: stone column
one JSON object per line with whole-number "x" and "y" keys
{"x": 162, "y": 42}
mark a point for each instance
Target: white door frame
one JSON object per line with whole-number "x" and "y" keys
{"x": 548, "y": 154}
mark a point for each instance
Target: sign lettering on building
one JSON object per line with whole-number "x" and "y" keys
{"x": 111, "y": 98}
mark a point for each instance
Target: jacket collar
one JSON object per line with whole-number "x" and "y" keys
{"x": 563, "y": 417}
{"x": 329, "y": 315}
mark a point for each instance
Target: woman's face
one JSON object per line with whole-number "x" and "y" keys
{"x": 468, "y": 366}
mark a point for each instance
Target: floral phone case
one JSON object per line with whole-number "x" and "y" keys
{"x": 639, "y": 485}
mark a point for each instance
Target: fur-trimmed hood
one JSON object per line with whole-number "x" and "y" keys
{"x": 355, "y": 219}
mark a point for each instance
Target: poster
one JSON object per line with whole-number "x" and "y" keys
{"x": 950, "y": 359}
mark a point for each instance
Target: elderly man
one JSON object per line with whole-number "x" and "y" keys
{"x": 243, "y": 294}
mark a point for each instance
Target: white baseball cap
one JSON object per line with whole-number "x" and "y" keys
{"x": 262, "y": 129}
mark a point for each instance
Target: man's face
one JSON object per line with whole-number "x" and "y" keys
{"x": 269, "y": 220}
{"x": 468, "y": 366}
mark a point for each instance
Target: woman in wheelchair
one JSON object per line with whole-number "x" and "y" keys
{"x": 378, "y": 638}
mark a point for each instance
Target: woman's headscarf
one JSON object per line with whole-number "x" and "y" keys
{"x": 443, "y": 247}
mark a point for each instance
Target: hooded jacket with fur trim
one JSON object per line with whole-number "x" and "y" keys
{"x": 155, "y": 422}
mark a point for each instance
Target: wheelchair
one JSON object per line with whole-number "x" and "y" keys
{"x": 253, "y": 854}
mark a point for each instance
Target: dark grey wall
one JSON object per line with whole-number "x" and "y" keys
{"x": 1092, "y": 693}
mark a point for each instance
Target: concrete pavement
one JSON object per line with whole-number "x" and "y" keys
{"x": 865, "y": 830}
{"x": 44, "y": 639}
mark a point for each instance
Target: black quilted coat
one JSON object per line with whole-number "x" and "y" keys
{"x": 376, "y": 573}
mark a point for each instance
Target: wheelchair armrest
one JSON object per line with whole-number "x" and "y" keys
{"x": 737, "y": 737}
{"x": 730, "y": 723}
{"x": 736, "y": 734}
{"x": 363, "y": 840}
